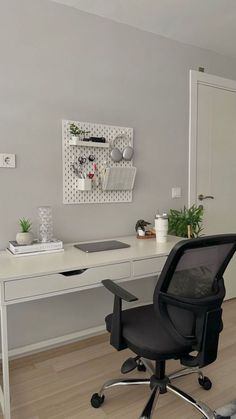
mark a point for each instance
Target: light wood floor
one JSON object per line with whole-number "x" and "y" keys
{"x": 58, "y": 384}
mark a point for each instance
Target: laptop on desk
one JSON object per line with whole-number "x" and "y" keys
{"x": 101, "y": 246}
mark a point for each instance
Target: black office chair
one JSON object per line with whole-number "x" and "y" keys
{"x": 184, "y": 321}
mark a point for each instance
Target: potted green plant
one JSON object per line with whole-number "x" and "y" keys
{"x": 140, "y": 227}
{"x": 25, "y": 236}
{"x": 76, "y": 134}
{"x": 186, "y": 222}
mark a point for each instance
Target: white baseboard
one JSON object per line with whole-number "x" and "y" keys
{"x": 54, "y": 342}
{"x": 62, "y": 340}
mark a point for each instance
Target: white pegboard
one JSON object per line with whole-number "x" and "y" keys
{"x": 70, "y": 153}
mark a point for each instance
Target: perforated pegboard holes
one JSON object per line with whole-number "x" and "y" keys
{"x": 70, "y": 153}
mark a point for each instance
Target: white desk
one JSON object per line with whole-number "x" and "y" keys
{"x": 34, "y": 277}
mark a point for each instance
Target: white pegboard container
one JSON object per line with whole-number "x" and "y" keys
{"x": 119, "y": 178}
{"x": 70, "y": 153}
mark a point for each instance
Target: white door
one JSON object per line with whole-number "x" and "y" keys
{"x": 212, "y": 168}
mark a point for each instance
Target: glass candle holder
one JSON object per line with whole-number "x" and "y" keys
{"x": 45, "y": 224}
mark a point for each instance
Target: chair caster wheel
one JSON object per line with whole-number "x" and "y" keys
{"x": 141, "y": 368}
{"x": 96, "y": 400}
{"x": 205, "y": 383}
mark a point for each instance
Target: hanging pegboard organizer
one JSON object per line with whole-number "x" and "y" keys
{"x": 70, "y": 153}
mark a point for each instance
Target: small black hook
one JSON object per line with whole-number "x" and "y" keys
{"x": 82, "y": 159}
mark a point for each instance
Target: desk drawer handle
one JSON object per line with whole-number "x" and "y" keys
{"x": 72, "y": 273}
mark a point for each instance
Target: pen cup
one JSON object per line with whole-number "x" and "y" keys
{"x": 84, "y": 184}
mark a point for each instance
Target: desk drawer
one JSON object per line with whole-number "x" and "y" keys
{"x": 36, "y": 286}
{"x": 148, "y": 266}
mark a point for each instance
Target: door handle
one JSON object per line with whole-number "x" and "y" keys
{"x": 201, "y": 197}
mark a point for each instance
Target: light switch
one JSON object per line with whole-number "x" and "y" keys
{"x": 176, "y": 192}
{"x": 8, "y": 160}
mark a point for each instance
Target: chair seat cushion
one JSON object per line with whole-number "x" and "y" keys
{"x": 146, "y": 336}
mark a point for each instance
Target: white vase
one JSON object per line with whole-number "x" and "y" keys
{"x": 161, "y": 227}
{"x": 24, "y": 238}
{"x": 45, "y": 224}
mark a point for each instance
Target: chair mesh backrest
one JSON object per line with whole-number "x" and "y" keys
{"x": 194, "y": 270}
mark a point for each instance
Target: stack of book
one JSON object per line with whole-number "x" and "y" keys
{"x": 35, "y": 248}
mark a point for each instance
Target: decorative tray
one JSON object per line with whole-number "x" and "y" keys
{"x": 147, "y": 236}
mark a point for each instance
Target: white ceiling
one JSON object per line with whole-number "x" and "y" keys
{"x": 209, "y": 24}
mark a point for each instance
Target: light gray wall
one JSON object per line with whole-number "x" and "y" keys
{"x": 59, "y": 63}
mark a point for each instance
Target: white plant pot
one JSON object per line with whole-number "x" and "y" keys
{"x": 84, "y": 184}
{"x": 24, "y": 238}
{"x": 74, "y": 140}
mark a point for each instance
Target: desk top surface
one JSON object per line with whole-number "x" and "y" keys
{"x": 13, "y": 267}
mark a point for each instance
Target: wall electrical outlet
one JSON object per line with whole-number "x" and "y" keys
{"x": 176, "y": 192}
{"x": 8, "y": 160}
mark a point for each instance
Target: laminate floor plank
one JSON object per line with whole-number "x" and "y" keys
{"x": 58, "y": 383}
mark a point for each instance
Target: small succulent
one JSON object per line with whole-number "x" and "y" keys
{"x": 141, "y": 224}
{"x": 76, "y": 131}
{"x": 25, "y": 225}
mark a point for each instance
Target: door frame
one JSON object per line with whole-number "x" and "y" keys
{"x": 196, "y": 78}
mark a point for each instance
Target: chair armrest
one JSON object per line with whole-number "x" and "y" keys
{"x": 119, "y": 291}
{"x": 120, "y": 294}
